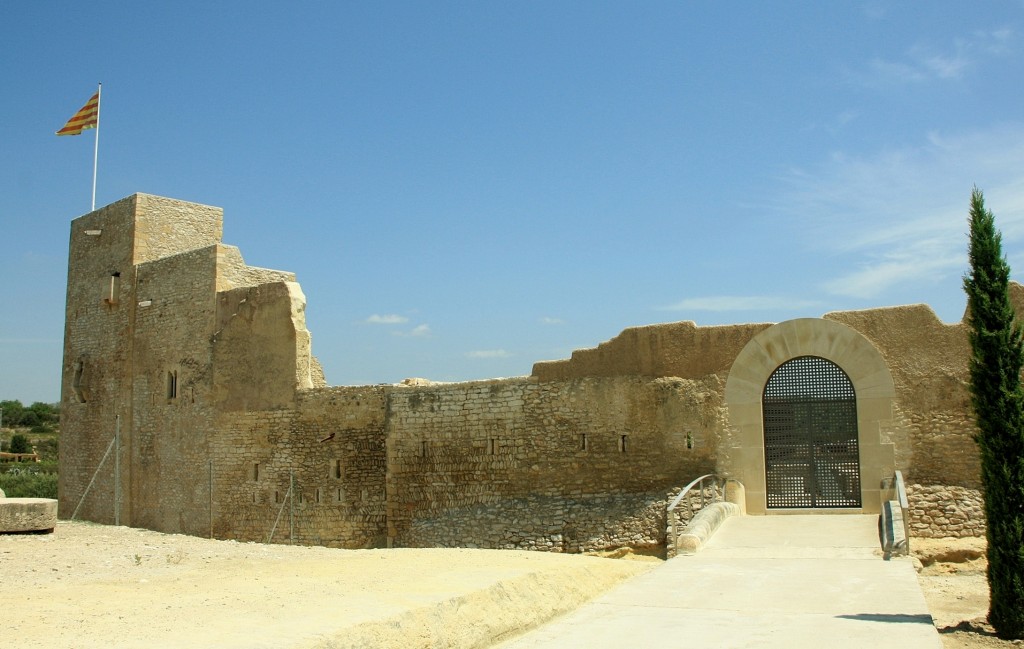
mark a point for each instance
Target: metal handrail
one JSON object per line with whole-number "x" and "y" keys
{"x": 699, "y": 483}
{"x": 901, "y": 491}
{"x": 901, "y": 496}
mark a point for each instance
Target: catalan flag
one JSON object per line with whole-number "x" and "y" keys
{"x": 86, "y": 118}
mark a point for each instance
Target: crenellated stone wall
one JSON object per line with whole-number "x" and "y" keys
{"x": 203, "y": 366}
{"x": 517, "y": 462}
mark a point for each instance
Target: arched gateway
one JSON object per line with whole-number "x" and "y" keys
{"x": 810, "y": 436}
{"x": 807, "y": 401}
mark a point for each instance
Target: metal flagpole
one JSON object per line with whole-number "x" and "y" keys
{"x": 96, "y": 150}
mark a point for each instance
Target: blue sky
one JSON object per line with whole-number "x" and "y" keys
{"x": 465, "y": 188}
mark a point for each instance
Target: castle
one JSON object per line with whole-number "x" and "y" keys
{"x": 191, "y": 403}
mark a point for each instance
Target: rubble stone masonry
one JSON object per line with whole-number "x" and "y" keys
{"x": 193, "y": 403}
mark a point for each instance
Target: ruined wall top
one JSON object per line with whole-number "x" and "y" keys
{"x": 673, "y": 349}
{"x": 156, "y": 227}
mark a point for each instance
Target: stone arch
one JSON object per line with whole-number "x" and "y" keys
{"x": 743, "y": 454}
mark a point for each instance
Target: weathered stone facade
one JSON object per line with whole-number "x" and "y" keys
{"x": 191, "y": 395}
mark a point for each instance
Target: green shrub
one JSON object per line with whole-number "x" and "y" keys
{"x": 47, "y": 447}
{"x": 45, "y": 466}
{"x": 19, "y": 444}
{"x": 23, "y": 483}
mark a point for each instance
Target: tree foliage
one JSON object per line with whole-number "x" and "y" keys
{"x": 998, "y": 398}
{"x": 19, "y": 444}
{"x": 38, "y": 414}
{"x": 28, "y": 482}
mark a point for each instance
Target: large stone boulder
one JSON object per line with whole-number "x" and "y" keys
{"x": 27, "y": 515}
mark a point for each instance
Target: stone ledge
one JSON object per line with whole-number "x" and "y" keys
{"x": 27, "y": 515}
{"x": 703, "y": 526}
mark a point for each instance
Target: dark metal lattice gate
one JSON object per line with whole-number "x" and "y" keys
{"x": 810, "y": 436}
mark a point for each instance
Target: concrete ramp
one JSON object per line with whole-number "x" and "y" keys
{"x": 761, "y": 581}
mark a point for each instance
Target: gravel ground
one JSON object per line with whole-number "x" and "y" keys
{"x": 90, "y": 585}
{"x": 952, "y": 578}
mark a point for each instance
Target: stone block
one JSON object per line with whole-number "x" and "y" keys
{"x": 703, "y": 526}
{"x": 27, "y": 515}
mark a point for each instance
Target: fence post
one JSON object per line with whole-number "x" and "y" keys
{"x": 291, "y": 507}
{"x": 95, "y": 473}
{"x": 117, "y": 469}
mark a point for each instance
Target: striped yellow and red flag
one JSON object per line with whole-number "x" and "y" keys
{"x": 86, "y": 118}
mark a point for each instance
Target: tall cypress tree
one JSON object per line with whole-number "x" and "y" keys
{"x": 996, "y": 360}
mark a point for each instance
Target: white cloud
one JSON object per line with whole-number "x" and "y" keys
{"x": 847, "y": 116}
{"x": 488, "y": 353}
{"x": 882, "y": 72}
{"x": 941, "y": 66}
{"x": 997, "y": 41}
{"x": 419, "y": 331}
{"x": 551, "y": 321}
{"x": 921, "y": 63}
{"x": 389, "y": 319}
{"x": 738, "y": 303}
{"x": 903, "y": 212}
{"x": 836, "y": 124}
{"x": 875, "y": 11}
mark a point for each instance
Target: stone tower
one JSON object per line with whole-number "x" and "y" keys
{"x": 153, "y": 302}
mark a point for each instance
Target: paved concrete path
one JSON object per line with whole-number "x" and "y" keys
{"x": 761, "y": 581}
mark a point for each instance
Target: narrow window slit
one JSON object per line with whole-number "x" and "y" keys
{"x": 172, "y": 384}
{"x": 115, "y": 288}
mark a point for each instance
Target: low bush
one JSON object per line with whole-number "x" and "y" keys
{"x": 19, "y": 444}
{"x": 46, "y": 447}
{"x": 24, "y": 483}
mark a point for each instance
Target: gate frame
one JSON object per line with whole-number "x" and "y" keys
{"x": 741, "y": 456}
{"x": 814, "y": 458}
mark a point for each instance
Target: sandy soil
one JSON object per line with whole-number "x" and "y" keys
{"x": 90, "y": 586}
{"x": 953, "y": 581}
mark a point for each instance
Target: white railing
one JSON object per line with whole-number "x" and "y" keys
{"x": 901, "y": 497}
{"x": 709, "y": 482}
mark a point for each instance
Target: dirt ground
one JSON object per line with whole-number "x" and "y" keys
{"x": 89, "y": 585}
{"x": 953, "y": 581}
